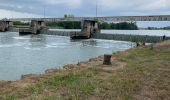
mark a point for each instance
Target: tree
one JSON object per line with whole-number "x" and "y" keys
{"x": 119, "y": 26}
{"x": 68, "y": 16}
{"x": 65, "y": 25}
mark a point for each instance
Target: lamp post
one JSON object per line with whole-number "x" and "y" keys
{"x": 44, "y": 11}
{"x": 96, "y": 8}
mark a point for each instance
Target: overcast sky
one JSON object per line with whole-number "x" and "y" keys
{"x": 57, "y": 8}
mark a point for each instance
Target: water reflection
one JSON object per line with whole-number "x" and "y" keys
{"x": 89, "y": 43}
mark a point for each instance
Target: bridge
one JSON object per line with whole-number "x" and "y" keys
{"x": 101, "y": 19}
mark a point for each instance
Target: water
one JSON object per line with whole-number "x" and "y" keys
{"x": 35, "y": 53}
{"x": 139, "y": 32}
{"x": 67, "y": 30}
{"x": 132, "y": 32}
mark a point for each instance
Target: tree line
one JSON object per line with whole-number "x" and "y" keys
{"x": 162, "y": 28}
{"x": 65, "y": 25}
{"x": 119, "y": 26}
{"x": 19, "y": 23}
{"x": 105, "y": 25}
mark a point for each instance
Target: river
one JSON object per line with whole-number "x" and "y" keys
{"x": 20, "y": 55}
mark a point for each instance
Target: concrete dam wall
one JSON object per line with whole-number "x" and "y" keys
{"x": 126, "y": 37}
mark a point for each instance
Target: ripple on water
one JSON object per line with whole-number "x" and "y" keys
{"x": 21, "y": 38}
{"x": 12, "y": 45}
{"x": 30, "y": 48}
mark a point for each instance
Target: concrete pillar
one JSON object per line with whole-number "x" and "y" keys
{"x": 2, "y": 26}
{"x": 89, "y": 27}
{"x": 37, "y": 26}
{"x": 5, "y": 25}
{"x": 34, "y": 26}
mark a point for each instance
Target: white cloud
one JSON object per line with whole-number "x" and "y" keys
{"x": 13, "y": 14}
{"x": 133, "y": 4}
{"x": 87, "y": 7}
{"x": 71, "y": 3}
{"x": 19, "y": 6}
{"x": 154, "y": 5}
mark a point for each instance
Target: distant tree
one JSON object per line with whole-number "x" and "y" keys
{"x": 104, "y": 25}
{"x": 119, "y": 26}
{"x": 65, "y": 15}
{"x": 68, "y": 15}
{"x": 21, "y": 23}
{"x": 65, "y": 25}
{"x": 166, "y": 28}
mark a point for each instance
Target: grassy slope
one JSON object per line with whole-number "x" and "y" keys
{"x": 146, "y": 76}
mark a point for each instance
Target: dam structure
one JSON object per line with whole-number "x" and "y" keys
{"x": 90, "y": 27}
{"x": 5, "y": 25}
{"x": 36, "y": 27}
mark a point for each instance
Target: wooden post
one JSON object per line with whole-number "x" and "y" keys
{"x": 107, "y": 59}
{"x": 143, "y": 43}
{"x": 137, "y": 44}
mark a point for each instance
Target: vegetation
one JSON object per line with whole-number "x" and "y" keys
{"x": 145, "y": 76}
{"x": 20, "y": 23}
{"x": 166, "y": 28}
{"x": 77, "y": 25}
{"x": 162, "y": 28}
{"x": 65, "y": 25}
{"x": 119, "y": 26}
{"x": 153, "y": 28}
{"x": 68, "y": 16}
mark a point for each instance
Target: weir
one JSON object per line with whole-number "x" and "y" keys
{"x": 132, "y": 38}
{"x": 36, "y": 27}
{"x": 120, "y": 37}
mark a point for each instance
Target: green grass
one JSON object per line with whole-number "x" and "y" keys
{"x": 146, "y": 69}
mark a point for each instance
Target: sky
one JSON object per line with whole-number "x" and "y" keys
{"x": 85, "y": 8}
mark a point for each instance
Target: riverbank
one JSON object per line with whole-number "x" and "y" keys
{"x": 139, "y": 73}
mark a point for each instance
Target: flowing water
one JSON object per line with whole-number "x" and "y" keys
{"x": 36, "y": 53}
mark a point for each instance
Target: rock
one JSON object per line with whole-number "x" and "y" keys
{"x": 29, "y": 76}
{"x": 51, "y": 70}
{"x": 70, "y": 66}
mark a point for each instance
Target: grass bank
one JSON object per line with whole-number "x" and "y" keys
{"x": 141, "y": 73}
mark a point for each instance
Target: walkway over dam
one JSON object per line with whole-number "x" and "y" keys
{"x": 102, "y": 19}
